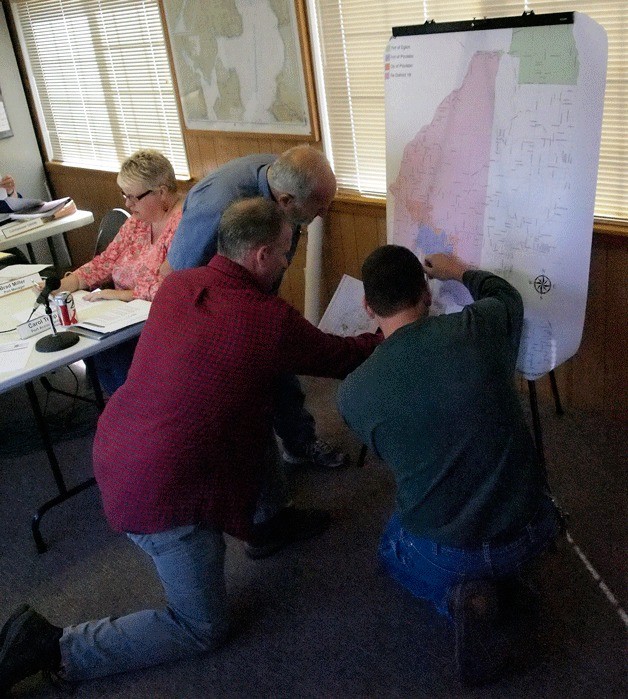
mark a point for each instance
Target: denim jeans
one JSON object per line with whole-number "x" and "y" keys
{"x": 190, "y": 565}
{"x": 293, "y": 424}
{"x": 429, "y": 570}
{"x": 113, "y": 364}
{"x": 275, "y": 491}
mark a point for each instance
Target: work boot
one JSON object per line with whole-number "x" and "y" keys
{"x": 520, "y": 603}
{"x": 28, "y": 643}
{"x": 286, "y": 527}
{"x": 482, "y": 646}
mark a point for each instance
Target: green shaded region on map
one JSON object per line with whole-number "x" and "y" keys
{"x": 548, "y": 55}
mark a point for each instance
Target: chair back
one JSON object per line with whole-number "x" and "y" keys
{"x": 14, "y": 256}
{"x": 109, "y": 226}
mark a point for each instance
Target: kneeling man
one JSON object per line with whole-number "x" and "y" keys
{"x": 437, "y": 402}
{"x": 179, "y": 453}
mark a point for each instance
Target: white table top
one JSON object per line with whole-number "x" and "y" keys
{"x": 40, "y": 363}
{"x": 55, "y": 227}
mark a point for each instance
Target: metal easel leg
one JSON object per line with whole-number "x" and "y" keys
{"x": 536, "y": 423}
{"x": 557, "y": 403}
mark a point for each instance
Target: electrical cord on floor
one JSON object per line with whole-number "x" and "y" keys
{"x": 64, "y": 417}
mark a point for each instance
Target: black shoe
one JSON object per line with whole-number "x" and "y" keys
{"x": 482, "y": 647}
{"x": 28, "y": 643}
{"x": 286, "y": 527}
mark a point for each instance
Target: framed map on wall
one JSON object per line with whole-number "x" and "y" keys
{"x": 242, "y": 66}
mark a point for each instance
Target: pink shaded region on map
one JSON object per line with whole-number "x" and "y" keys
{"x": 440, "y": 192}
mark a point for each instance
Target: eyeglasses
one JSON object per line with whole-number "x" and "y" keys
{"x": 132, "y": 199}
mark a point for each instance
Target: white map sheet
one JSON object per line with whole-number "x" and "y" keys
{"x": 345, "y": 314}
{"x": 492, "y": 152}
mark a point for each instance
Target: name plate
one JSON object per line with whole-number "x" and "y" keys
{"x": 34, "y": 327}
{"x": 13, "y": 285}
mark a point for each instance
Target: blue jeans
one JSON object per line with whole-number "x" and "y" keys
{"x": 113, "y": 364}
{"x": 190, "y": 565}
{"x": 429, "y": 570}
{"x": 275, "y": 492}
{"x": 293, "y": 424}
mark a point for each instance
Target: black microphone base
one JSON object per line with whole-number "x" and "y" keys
{"x": 54, "y": 343}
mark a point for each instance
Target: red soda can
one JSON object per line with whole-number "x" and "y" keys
{"x": 66, "y": 309}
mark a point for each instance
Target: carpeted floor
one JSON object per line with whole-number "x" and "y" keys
{"x": 319, "y": 619}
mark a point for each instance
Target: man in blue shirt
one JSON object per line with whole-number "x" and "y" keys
{"x": 437, "y": 402}
{"x": 302, "y": 182}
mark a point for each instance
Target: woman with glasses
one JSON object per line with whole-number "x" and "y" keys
{"x": 131, "y": 262}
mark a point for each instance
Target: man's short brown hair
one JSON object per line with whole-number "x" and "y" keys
{"x": 393, "y": 280}
{"x": 247, "y": 224}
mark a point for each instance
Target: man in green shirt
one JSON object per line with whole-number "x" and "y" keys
{"x": 437, "y": 402}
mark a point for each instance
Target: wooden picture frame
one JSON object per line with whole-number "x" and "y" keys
{"x": 5, "y": 127}
{"x": 254, "y": 78}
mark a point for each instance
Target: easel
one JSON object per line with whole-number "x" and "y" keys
{"x": 536, "y": 420}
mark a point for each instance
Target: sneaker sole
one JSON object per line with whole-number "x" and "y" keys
{"x": 295, "y": 460}
{"x": 303, "y": 461}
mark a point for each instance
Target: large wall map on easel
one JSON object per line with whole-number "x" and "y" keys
{"x": 492, "y": 143}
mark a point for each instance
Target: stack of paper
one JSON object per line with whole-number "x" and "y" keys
{"x": 22, "y": 208}
{"x": 96, "y": 319}
{"x": 99, "y": 319}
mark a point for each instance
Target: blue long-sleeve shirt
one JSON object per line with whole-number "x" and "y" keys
{"x": 195, "y": 241}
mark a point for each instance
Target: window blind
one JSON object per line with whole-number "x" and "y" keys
{"x": 101, "y": 79}
{"x": 352, "y": 36}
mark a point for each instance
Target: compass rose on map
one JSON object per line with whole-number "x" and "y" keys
{"x": 542, "y": 284}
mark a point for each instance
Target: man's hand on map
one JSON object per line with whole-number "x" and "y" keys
{"x": 442, "y": 266}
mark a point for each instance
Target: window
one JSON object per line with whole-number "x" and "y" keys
{"x": 101, "y": 79}
{"x": 352, "y": 37}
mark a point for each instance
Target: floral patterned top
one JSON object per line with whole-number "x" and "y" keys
{"x": 131, "y": 261}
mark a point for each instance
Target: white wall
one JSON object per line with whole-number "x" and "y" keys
{"x": 19, "y": 155}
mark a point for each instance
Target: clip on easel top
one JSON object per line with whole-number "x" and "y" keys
{"x": 527, "y": 19}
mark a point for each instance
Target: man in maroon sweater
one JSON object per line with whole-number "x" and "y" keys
{"x": 182, "y": 450}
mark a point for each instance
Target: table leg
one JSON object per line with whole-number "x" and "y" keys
{"x": 93, "y": 377}
{"x": 53, "y": 252}
{"x": 64, "y": 492}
